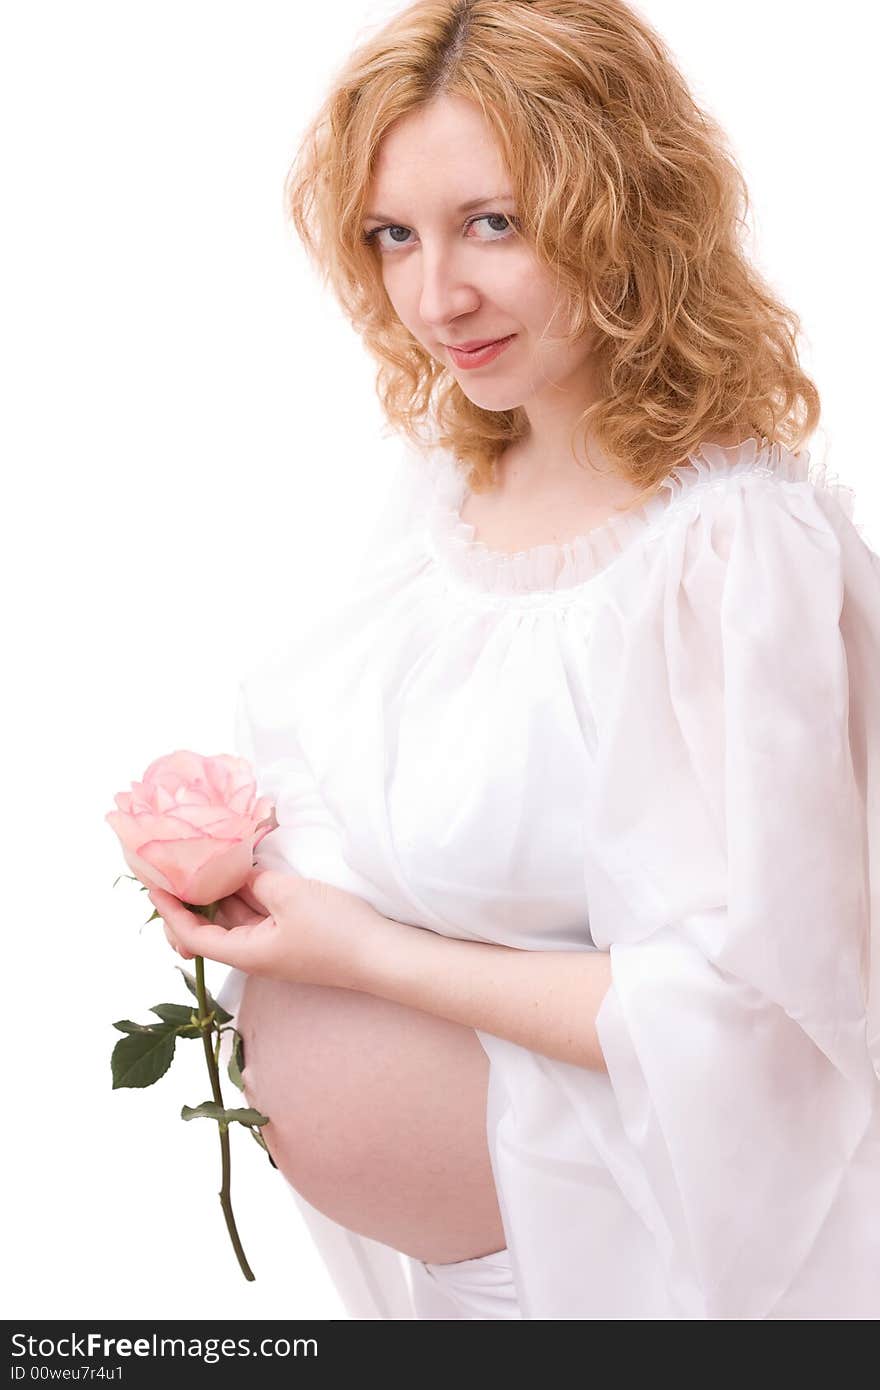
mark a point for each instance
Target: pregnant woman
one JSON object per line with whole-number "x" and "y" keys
{"x": 555, "y": 974}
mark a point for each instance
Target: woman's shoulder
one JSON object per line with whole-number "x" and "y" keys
{"x": 745, "y": 536}
{"x": 742, "y": 483}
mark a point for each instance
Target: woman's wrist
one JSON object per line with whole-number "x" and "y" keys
{"x": 546, "y": 1001}
{"x": 374, "y": 943}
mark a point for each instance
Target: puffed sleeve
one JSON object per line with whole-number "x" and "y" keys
{"x": 306, "y": 839}
{"x": 274, "y": 752}
{"x": 732, "y": 870}
{"x": 269, "y": 773}
{"x": 265, "y": 728}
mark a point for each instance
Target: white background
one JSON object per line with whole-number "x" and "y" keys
{"x": 192, "y": 448}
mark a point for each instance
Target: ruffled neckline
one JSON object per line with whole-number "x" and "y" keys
{"x": 565, "y": 565}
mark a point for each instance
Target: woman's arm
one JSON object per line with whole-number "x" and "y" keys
{"x": 544, "y": 1000}
{"x": 316, "y": 933}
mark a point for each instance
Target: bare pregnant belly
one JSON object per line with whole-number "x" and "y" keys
{"x": 377, "y": 1115}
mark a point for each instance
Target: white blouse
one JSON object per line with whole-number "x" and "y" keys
{"x": 660, "y": 740}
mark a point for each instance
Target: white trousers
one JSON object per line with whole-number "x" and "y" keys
{"x": 480, "y": 1288}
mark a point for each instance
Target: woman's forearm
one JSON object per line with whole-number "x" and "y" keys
{"x": 546, "y": 1001}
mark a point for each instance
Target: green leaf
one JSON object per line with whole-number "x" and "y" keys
{"x": 174, "y": 1013}
{"x": 236, "y": 1060}
{"x": 222, "y": 1015}
{"x": 210, "y": 1110}
{"x": 153, "y": 915}
{"x": 255, "y": 1134}
{"x": 249, "y": 1116}
{"x": 142, "y": 1058}
{"x": 183, "y": 1030}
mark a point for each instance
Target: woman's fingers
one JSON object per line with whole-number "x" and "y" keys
{"x": 231, "y": 912}
{"x": 194, "y": 934}
{"x": 246, "y": 895}
{"x": 170, "y": 938}
{"x": 235, "y": 911}
{"x": 269, "y": 889}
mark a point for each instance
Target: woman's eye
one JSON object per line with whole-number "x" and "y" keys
{"x": 496, "y": 217}
{"x": 376, "y": 232}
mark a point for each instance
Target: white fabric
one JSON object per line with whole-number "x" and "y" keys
{"x": 662, "y": 741}
{"x": 478, "y": 1290}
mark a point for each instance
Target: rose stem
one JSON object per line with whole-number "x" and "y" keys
{"x": 225, "y": 1199}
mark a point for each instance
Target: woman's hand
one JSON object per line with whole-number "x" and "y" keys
{"x": 279, "y": 925}
{"x": 239, "y": 909}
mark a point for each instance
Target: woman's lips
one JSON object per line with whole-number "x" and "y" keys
{"x": 479, "y": 356}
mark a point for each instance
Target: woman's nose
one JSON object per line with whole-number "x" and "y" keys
{"x": 445, "y": 294}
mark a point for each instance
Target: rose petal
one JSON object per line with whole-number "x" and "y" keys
{"x": 134, "y": 831}
{"x": 191, "y": 823}
{"x": 147, "y": 874}
{"x": 200, "y": 870}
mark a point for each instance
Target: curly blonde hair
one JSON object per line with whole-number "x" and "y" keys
{"x": 626, "y": 191}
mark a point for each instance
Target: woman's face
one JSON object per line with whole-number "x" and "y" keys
{"x": 457, "y": 274}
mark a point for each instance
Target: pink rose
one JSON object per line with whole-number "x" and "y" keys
{"x": 191, "y": 825}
